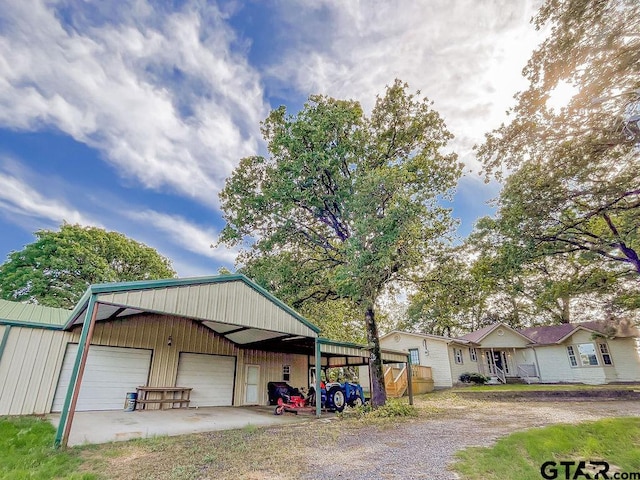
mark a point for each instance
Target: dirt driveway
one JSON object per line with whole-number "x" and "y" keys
{"x": 423, "y": 448}
{"x": 350, "y": 449}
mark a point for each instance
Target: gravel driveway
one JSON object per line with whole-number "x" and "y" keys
{"x": 423, "y": 448}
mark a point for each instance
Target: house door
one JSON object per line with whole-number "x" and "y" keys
{"x": 497, "y": 359}
{"x": 252, "y": 380}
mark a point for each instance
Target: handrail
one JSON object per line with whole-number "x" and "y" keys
{"x": 500, "y": 374}
{"x": 400, "y": 381}
{"x": 388, "y": 374}
{"x": 525, "y": 373}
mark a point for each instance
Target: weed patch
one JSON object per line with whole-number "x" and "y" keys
{"x": 26, "y": 452}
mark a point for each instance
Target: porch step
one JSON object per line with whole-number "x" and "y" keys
{"x": 512, "y": 380}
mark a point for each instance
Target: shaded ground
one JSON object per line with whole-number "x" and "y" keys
{"x": 416, "y": 448}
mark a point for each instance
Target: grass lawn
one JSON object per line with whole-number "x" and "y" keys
{"x": 26, "y": 452}
{"x": 520, "y": 455}
{"x": 522, "y": 387}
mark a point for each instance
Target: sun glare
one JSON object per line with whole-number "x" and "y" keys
{"x": 560, "y": 96}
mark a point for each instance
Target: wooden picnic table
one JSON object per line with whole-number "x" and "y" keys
{"x": 173, "y": 396}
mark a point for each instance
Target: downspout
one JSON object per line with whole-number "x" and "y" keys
{"x": 71, "y": 399}
{"x": 535, "y": 355}
{"x": 5, "y": 338}
{"x": 410, "y": 378}
{"x": 318, "y": 373}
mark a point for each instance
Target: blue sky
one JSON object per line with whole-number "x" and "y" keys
{"x": 129, "y": 115}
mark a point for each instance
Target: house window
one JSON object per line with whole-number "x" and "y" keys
{"x": 457, "y": 355}
{"x": 473, "y": 355}
{"x": 286, "y": 373}
{"x": 588, "y": 356}
{"x": 572, "y": 356}
{"x": 414, "y": 355}
{"x": 606, "y": 356}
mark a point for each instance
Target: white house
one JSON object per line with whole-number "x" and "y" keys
{"x": 590, "y": 352}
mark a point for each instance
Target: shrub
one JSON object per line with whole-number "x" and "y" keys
{"x": 473, "y": 377}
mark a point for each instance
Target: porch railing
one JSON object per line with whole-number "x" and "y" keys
{"x": 500, "y": 374}
{"x": 418, "y": 371}
{"x": 527, "y": 372}
{"x": 395, "y": 381}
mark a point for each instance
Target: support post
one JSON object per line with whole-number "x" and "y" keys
{"x": 5, "y": 338}
{"x": 318, "y": 366}
{"x": 71, "y": 399}
{"x": 410, "y": 378}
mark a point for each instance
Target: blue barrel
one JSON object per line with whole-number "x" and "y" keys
{"x": 130, "y": 402}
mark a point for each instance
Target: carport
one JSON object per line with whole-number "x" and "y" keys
{"x": 118, "y": 425}
{"x": 243, "y": 316}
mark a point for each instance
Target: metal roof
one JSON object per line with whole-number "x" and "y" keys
{"x": 16, "y": 313}
{"x": 350, "y": 351}
{"x": 231, "y": 305}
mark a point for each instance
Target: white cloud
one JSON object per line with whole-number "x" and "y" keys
{"x": 465, "y": 55}
{"x": 163, "y": 95}
{"x": 188, "y": 235}
{"x": 19, "y": 198}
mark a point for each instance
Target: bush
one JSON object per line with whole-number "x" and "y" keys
{"x": 473, "y": 377}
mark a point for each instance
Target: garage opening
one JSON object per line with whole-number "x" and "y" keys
{"x": 210, "y": 376}
{"x": 110, "y": 373}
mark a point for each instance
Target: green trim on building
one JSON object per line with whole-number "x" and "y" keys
{"x": 3, "y": 342}
{"x": 318, "y": 368}
{"x": 64, "y": 414}
{"x": 180, "y": 282}
{"x": 44, "y": 326}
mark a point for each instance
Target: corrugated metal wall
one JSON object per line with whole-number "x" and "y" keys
{"x": 232, "y": 302}
{"x": 29, "y": 370}
{"x": 153, "y": 332}
{"x": 271, "y": 371}
{"x": 30, "y": 365}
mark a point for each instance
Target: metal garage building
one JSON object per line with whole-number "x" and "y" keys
{"x": 223, "y": 336}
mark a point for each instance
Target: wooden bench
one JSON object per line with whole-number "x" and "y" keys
{"x": 167, "y": 395}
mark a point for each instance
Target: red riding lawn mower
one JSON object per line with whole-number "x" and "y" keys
{"x": 334, "y": 397}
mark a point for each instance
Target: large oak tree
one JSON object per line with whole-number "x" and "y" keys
{"x": 57, "y": 268}
{"x": 344, "y": 203}
{"x": 573, "y": 173}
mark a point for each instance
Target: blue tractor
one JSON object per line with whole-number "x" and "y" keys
{"x": 334, "y": 396}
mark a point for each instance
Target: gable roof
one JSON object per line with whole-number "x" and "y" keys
{"x": 232, "y": 306}
{"x": 479, "y": 335}
{"x": 549, "y": 334}
{"x": 31, "y": 314}
{"x": 421, "y": 335}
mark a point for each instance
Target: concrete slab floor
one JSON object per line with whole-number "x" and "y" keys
{"x": 113, "y": 426}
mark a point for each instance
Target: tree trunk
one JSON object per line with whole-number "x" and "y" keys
{"x": 378, "y": 392}
{"x": 565, "y": 302}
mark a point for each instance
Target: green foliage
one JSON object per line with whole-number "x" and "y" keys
{"x": 345, "y": 203}
{"x": 573, "y": 190}
{"x": 473, "y": 377}
{"x": 451, "y": 298}
{"x": 26, "y": 452}
{"x": 58, "y": 267}
{"x": 520, "y": 455}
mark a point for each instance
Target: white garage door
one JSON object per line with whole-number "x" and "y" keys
{"x": 210, "y": 376}
{"x": 110, "y": 373}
